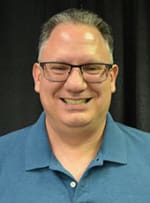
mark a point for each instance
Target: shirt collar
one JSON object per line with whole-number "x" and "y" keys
{"x": 39, "y": 154}
{"x": 113, "y": 148}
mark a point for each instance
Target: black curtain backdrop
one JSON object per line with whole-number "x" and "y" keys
{"x": 20, "y": 23}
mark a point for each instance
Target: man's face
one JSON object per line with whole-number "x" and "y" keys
{"x": 75, "y": 103}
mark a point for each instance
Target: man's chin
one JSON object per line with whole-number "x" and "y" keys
{"x": 77, "y": 122}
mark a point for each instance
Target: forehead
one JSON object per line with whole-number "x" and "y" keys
{"x": 74, "y": 38}
{"x": 75, "y": 32}
{"x": 81, "y": 30}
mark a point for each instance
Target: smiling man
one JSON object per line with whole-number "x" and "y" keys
{"x": 81, "y": 94}
{"x": 75, "y": 152}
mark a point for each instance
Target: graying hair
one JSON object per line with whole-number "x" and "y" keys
{"x": 77, "y": 16}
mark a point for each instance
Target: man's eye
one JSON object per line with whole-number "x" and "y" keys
{"x": 59, "y": 68}
{"x": 92, "y": 69}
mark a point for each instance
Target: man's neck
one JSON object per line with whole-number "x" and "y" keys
{"x": 75, "y": 151}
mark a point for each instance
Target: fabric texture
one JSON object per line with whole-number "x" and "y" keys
{"x": 30, "y": 173}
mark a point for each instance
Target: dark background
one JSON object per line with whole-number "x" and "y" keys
{"x": 20, "y": 23}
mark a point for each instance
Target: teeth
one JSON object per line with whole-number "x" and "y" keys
{"x": 72, "y": 101}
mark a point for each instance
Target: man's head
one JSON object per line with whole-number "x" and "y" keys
{"x": 77, "y": 16}
{"x": 75, "y": 96}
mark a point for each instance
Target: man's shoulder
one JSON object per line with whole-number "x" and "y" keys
{"x": 13, "y": 145}
{"x": 132, "y": 131}
{"x": 14, "y": 137}
{"x": 135, "y": 137}
{"x": 127, "y": 131}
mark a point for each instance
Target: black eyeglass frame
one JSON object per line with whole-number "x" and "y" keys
{"x": 80, "y": 66}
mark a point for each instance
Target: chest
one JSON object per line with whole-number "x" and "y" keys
{"x": 109, "y": 183}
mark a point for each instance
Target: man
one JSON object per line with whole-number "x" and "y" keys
{"x": 75, "y": 152}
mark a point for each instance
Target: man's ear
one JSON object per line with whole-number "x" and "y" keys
{"x": 37, "y": 73}
{"x": 113, "y": 76}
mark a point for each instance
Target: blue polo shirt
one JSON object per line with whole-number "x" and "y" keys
{"x": 30, "y": 173}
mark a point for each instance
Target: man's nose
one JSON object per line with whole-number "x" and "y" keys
{"x": 75, "y": 80}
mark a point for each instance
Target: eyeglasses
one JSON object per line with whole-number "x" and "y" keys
{"x": 91, "y": 72}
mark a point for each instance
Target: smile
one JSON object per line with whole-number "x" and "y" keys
{"x": 76, "y": 101}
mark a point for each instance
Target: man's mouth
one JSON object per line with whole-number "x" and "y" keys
{"x": 76, "y": 101}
